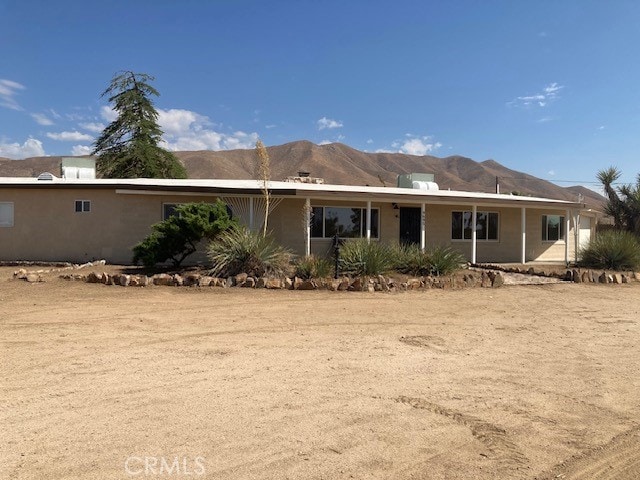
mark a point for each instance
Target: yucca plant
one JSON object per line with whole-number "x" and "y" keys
{"x": 240, "y": 250}
{"x": 410, "y": 259}
{"x": 444, "y": 260}
{"x": 360, "y": 257}
{"x": 613, "y": 249}
{"x": 313, "y": 266}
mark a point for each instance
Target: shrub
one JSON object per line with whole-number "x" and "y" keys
{"x": 437, "y": 260}
{"x": 313, "y": 267}
{"x": 177, "y": 237}
{"x": 360, "y": 257}
{"x": 614, "y": 249}
{"x": 239, "y": 250}
{"x": 445, "y": 260}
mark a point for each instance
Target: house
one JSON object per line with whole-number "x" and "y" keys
{"x": 82, "y": 219}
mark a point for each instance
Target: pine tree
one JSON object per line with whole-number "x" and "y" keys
{"x": 128, "y": 146}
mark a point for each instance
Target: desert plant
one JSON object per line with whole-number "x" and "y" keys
{"x": 264, "y": 172}
{"x": 177, "y": 237}
{"x": 410, "y": 259}
{"x": 444, "y": 260}
{"x": 313, "y": 266}
{"x": 361, "y": 257}
{"x": 436, "y": 260}
{"x": 239, "y": 250}
{"x": 614, "y": 249}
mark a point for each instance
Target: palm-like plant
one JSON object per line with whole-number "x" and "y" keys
{"x": 623, "y": 203}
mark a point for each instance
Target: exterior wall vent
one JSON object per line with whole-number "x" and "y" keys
{"x": 46, "y": 176}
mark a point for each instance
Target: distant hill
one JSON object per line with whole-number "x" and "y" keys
{"x": 340, "y": 164}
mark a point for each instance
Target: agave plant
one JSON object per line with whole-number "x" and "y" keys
{"x": 361, "y": 257}
{"x": 240, "y": 250}
{"x": 614, "y": 249}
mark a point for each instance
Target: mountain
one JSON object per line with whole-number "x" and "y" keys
{"x": 340, "y": 164}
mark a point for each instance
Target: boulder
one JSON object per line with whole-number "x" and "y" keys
{"x": 162, "y": 279}
{"x": 94, "y": 277}
{"x": 274, "y": 283}
{"x": 178, "y": 281}
{"x": 191, "y": 279}
{"x": 124, "y": 280}
{"x": 250, "y": 282}
{"x": 20, "y": 274}
{"x": 575, "y": 275}
{"x": 288, "y": 283}
{"x": 498, "y": 280}
{"x": 356, "y": 285}
{"x": 307, "y": 285}
{"x": 261, "y": 282}
{"x": 33, "y": 278}
{"x": 603, "y": 278}
{"x": 240, "y": 279}
{"x": 414, "y": 283}
{"x": 586, "y": 278}
{"x": 344, "y": 285}
{"x": 617, "y": 278}
{"x": 485, "y": 280}
{"x": 205, "y": 281}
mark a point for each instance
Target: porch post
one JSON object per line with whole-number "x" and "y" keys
{"x": 576, "y": 236}
{"x": 474, "y": 219}
{"x": 307, "y": 222}
{"x": 368, "y": 221}
{"x": 567, "y": 228}
{"x": 523, "y": 235}
{"x": 251, "y": 213}
{"x": 423, "y": 233}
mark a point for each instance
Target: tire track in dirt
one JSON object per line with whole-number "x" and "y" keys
{"x": 617, "y": 460}
{"x": 494, "y": 438}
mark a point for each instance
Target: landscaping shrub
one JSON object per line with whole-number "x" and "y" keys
{"x": 445, "y": 260}
{"x": 437, "y": 260}
{"x": 613, "y": 249}
{"x": 239, "y": 250}
{"x": 313, "y": 267}
{"x": 359, "y": 257}
{"x": 177, "y": 237}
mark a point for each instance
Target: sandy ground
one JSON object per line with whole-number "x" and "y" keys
{"x": 519, "y": 382}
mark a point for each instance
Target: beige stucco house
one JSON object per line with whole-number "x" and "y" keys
{"x": 79, "y": 220}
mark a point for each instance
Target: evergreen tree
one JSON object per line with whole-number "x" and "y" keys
{"x": 128, "y": 146}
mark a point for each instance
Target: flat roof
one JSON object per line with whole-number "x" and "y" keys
{"x": 287, "y": 189}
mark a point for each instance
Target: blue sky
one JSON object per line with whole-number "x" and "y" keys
{"x": 551, "y": 88}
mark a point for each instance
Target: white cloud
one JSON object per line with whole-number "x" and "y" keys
{"x": 108, "y": 113}
{"x": 94, "y": 127}
{"x": 419, "y": 146}
{"x": 270, "y": 126}
{"x": 187, "y": 130}
{"x": 30, "y": 148}
{"x": 80, "y": 150}
{"x": 601, "y": 127}
{"x": 541, "y": 99}
{"x": 8, "y": 91}
{"x": 70, "y": 137}
{"x": 384, "y": 150}
{"x": 325, "y": 122}
{"x": 551, "y": 172}
{"x": 42, "y": 119}
{"x": 370, "y": 141}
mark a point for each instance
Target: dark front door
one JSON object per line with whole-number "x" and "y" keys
{"x": 409, "y": 225}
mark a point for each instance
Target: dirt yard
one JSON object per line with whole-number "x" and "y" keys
{"x": 111, "y": 383}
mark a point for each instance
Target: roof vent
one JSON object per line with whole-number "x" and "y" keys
{"x": 47, "y": 176}
{"x": 418, "y": 185}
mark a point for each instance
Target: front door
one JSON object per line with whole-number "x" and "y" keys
{"x": 409, "y": 225}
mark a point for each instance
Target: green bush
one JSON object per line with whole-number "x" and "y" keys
{"x": 239, "y": 250}
{"x": 445, "y": 260}
{"x": 614, "y": 249}
{"x": 313, "y": 267}
{"x": 177, "y": 237}
{"x": 359, "y": 257}
{"x": 437, "y": 260}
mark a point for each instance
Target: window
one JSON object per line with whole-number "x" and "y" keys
{"x": 6, "y": 214}
{"x": 552, "y": 228}
{"x": 486, "y": 225}
{"x": 169, "y": 210}
{"x": 347, "y": 222}
{"x": 83, "y": 206}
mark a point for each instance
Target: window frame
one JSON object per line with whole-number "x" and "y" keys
{"x": 11, "y": 223}
{"x": 562, "y": 234}
{"x": 172, "y": 205}
{"x": 478, "y": 213}
{"x": 85, "y": 206}
{"x": 363, "y": 226}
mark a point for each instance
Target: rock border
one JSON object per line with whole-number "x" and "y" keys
{"x": 575, "y": 275}
{"x": 378, "y": 283}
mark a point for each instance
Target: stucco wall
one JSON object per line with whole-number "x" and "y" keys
{"x": 46, "y": 226}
